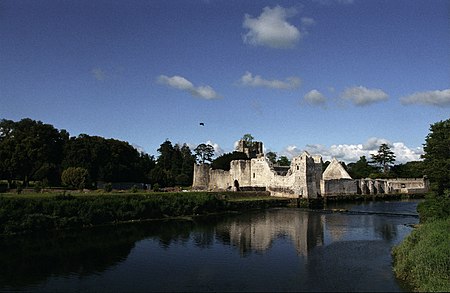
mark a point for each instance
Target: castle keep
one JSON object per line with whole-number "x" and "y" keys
{"x": 302, "y": 179}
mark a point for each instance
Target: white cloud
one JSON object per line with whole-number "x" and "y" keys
{"x": 352, "y": 152}
{"x": 314, "y": 97}
{"x": 218, "y": 151}
{"x": 271, "y": 28}
{"x": 362, "y": 96}
{"x": 99, "y": 74}
{"x": 257, "y": 81}
{"x": 434, "y": 98}
{"x": 181, "y": 83}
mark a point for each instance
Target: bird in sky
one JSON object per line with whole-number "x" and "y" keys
{"x": 202, "y": 124}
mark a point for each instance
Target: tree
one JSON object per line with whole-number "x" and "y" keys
{"x": 384, "y": 158}
{"x": 75, "y": 177}
{"x": 437, "y": 156}
{"x": 248, "y": 138}
{"x": 413, "y": 169}
{"x": 204, "y": 152}
{"x": 360, "y": 169}
{"x": 272, "y": 157}
{"x": 223, "y": 161}
{"x": 284, "y": 161}
{"x": 30, "y": 150}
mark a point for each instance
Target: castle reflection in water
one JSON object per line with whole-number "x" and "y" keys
{"x": 306, "y": 230}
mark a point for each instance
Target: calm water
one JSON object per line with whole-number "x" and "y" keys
{"x": 284, "y": 249}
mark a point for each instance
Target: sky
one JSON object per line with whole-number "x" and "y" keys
{"x": 332, "y": 77}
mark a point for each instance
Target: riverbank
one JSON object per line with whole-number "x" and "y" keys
{"x": 44, "y": 212}
{"x": 423, "y": 258}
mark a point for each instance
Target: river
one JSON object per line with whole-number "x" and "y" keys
{"x": 281, "y": 249}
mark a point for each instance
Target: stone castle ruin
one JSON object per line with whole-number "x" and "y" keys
{"x": 302, "y": 179}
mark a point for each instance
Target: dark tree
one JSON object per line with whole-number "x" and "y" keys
{"x": 30, "y": 150}
{"x": 223, "y": 161}
{"x": 284, "y": 161}
{"x": 414, "y": 169}
{"x": 272, "y": 157}
{"x": 204, "y": 152}
{"x": 384, "y": 158}
{"x": 437, "y": 155}
{"x": 360, "y": 169}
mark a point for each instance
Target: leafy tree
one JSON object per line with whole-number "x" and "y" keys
{"x": 413, "y": 169}
{"x": 272, "y": 157}
{"x": 30, "y": 150}
{"x": 360, "y": 169}
{"x": 204, "y": 152}
{"x": 284, "y": 161}
{"x": 384, "y": 157}
{"x": 75, "y": 177}
{"x": 437, "y": 155}
{"x": 223, "y": 161}
{"x": 248, "y": 138}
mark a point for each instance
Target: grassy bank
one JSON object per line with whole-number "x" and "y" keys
{"x": 39, "y": 212}
{"x": 423, "y": 258}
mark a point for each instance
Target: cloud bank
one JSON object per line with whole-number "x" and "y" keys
{"x": 257, "y": 81}
{"x": 352, "y": 152}
{"x": 271, "y": 28}
{"x": 362, "y": 96}
{"x": 434, "y": 98}
{"x": 181, "y": 83}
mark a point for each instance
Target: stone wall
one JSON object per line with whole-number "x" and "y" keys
{"x": 303, "y": 179}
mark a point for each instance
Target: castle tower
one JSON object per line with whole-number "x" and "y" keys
{"x": 255, "y": 150}
{"x": 201, "y": 177}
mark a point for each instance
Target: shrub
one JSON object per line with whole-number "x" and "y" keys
{"x": 107, "y": 187}
{"x": 4, "y": 187}
{"x": 75, "y": 177}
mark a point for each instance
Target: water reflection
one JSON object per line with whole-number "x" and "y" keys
{"x": 276, "y": 249}
{"x": 256, "y": 232}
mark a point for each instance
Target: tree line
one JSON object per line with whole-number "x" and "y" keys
{"x": 34, "y": 151}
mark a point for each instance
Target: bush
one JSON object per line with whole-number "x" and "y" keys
{"x": 107, "y": 187}
{"x": 75, "y": 177}
{"x": 423, "y": 259}
{"x": 4, "y": 187}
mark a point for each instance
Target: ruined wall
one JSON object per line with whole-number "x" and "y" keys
{"x": 219, "y": 180}
{"x": 334, "y": 187}
{"x": 240, "y": 170}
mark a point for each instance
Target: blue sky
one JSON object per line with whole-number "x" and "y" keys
{"x": 334, "y": 77}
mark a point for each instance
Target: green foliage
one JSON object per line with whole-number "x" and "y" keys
{"x": 223, "y": 161}
{"x": 75, "y": 177}
{"x": 272, "y": 157}
{"x": 30, "y": 150}
{"x": 360, "y": 169}
{"x": 423, "y": 257}
{"x": 19, "y": 214}
{"x": 134, "y": 189}
{"x": 413, "y": 169}
{"x": 248, "y": 138}
{"x": 107, "y": 187}
{"x": 4, "y": 187}
{"x": 284, "y": 161}
{"x": 434, "y": 208}
{"x": 172, "y": 162}
{"x": 437, "y": 155}
{"x": 384, "y": 157}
